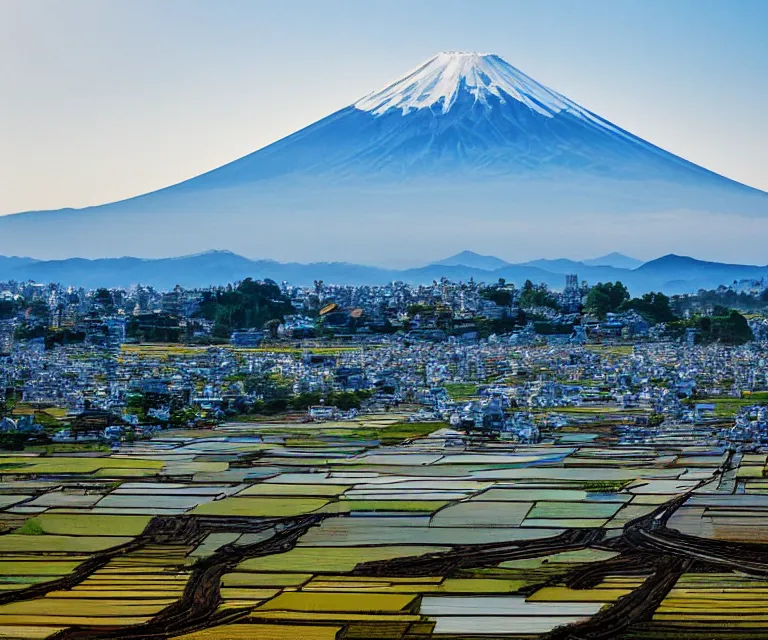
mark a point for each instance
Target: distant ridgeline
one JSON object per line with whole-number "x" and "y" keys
{"x": 669, "y": 274}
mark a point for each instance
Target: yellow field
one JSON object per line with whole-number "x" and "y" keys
{"x": 260, "y": 507}
{"x": 53, "y": 543}
{"x": 79, "y": 524}
{"x": 264, "y": 632}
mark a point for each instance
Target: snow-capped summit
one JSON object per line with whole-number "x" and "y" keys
{"x": 464, "y": 146}
{"x": 437, "y": 83}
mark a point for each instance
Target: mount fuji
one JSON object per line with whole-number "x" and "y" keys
{"x": 465, "y": 149}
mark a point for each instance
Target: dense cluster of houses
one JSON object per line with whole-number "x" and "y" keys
{"x": 438, "y": 311}
{"x": 70, "y": 349}
{"x": 507, "y": 379}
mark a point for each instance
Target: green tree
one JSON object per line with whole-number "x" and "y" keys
{"x": 271, "y": 327}
{"x": 103, "y": 298}
{"x": 655, "y": 419}
{"x": 598, "y": 302}
{"x": 8, "y": 309}
{"x": 420, "y": 309}
{"x": 180, "y": 413}
{"x": 153, "y": 327}
{"x": 654, "y": 306}
{"x": 38, "y": 309}
{"x": 537, "y": 297}
{"x": 732, "y": 328}
{"x": 501, "y": 297}
{"x": 249, "y": 305}
{"x": 729, "y": 327}
{"x": 606, "y": 298}
{"x": 265, "y": 385}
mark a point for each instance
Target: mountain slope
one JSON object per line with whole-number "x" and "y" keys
{"x": 472, "y": 259}
{"x": 463, "y": 146}
{"x": 711, "y": 273}
{"x": 614, "y": 259}
{"x": 558, "y": 265}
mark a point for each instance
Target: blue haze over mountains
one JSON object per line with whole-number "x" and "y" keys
{"x": 465, "y": 147}
{"x": 671, "y": 274}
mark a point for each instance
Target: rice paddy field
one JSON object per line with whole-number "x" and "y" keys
{"x": 154, "y": 351}
{"x": 373, "y": 529}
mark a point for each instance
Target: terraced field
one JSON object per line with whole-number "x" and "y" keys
{"x": 306, "y": 532}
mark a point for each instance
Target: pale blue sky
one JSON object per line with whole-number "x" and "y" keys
{"x": 105, "y": 99}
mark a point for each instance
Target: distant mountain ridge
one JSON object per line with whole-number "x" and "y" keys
{"x": 474, "y": 260}
{"x": 558, "y": 265}
{"x": 670, "y": 273}
{"x": 614, "y": 259}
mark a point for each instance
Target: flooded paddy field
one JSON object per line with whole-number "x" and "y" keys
{"x": 368, "y": 530}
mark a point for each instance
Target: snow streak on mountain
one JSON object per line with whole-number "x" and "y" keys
{"x": 438, "y": 81}
{"x": 464, "y": 147}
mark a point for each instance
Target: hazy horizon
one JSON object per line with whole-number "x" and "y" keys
{"x": 413, "y": 262}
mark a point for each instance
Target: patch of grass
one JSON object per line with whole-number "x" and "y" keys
{"x": 593, "y": 410}
{"x": 613, "y": 349}
{"x": 302, "y": 490}
{"x": 150, "y": 349}
{"x": 260, "y": 506}
{"x": 330, "y": 559}
{"x": 399, "y": 431}
{"x": 21, "y": 571}
{"x": 350, "y": 506}
{"x": 460, "y": 389}
{"x": 755, "y": 396}
{"x": 69, "y": 447}
{"x": 729, "y": 407}
{"x": 42, "y": 465}
{"x": 116, "y": 472}
{"x": 90, "y": 524}
{"x": 573, "y": 510}
{"x": 14, "y": 543}
{"x": 324, "y": 351}
{"x": 31, "y": 528}
{"x": 388, "y": 434}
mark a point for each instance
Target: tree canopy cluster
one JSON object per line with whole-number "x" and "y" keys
{"x": 606, "y": 298}
{"x": 727, "y": 326}
{"x": 501, "y": 297}
{"x": 723, "y": 325}
{"x": 153, "y": 327}
{"x": 250, "y": 305}
{"x": 613, "y": 297}
{"x": 722, "y": 296}
{"x": 531, "y": 296}
{"x": 274, "y": 396}
{"x": 9, "y": 309}
{"x": 653, "y": 306}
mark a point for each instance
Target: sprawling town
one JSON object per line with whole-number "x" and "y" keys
{"x": 456, "y": 460}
